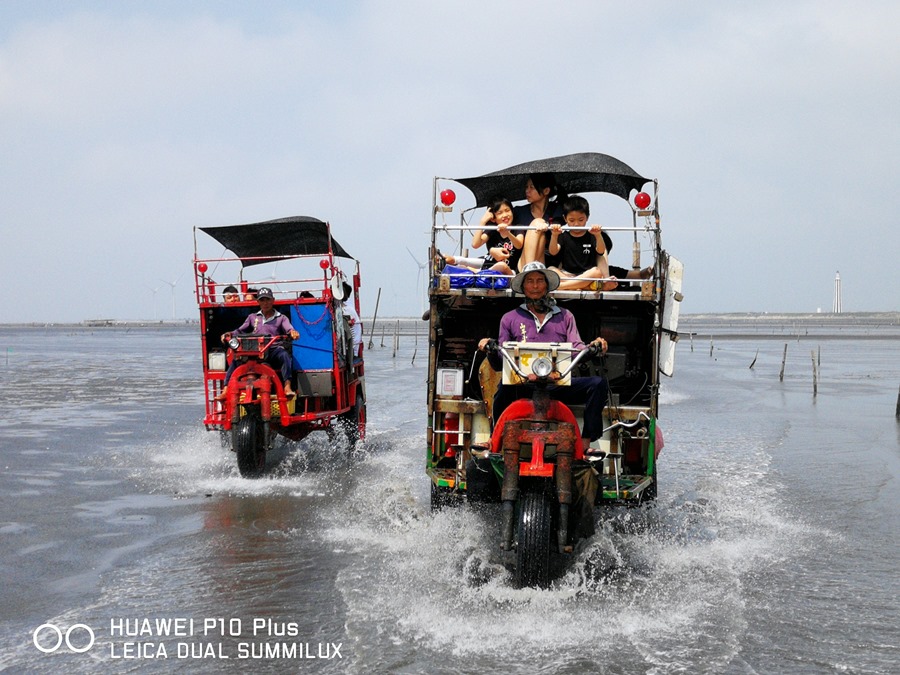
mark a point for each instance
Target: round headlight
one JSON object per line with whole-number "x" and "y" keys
{"x": 542, "y": 366}
{"x": 234, "y": 343}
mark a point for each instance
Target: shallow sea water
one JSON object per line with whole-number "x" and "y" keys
{"x": 772, "y": 547}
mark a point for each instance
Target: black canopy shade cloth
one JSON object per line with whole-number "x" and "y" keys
{"x": 257, "y": 243}
{"x": 581, "y": 172}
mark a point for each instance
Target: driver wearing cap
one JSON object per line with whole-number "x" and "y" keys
{"x": 267, "y": 321}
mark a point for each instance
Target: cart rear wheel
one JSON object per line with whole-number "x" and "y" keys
{"x": 442, "y": 497}
{"x": 535, "y": 537}
{"x": 353, "y": 421}
{"x": 648, "y": 496}
{"x": 249, "y": 445}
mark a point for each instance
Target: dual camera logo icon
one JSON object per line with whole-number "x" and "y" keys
{"x": 77, "y": 629}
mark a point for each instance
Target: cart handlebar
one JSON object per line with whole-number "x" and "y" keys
{"x": 591, "y": 350}
{"x": 250, "y": 344}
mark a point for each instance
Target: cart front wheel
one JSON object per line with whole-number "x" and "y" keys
{"x": 249, "y": 445}
{"x": 535, "y": 538}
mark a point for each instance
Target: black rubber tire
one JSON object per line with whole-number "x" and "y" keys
{"x": 535, "y": 540}
{"x": 482, "y": 485}
{"x": 248, "y": 443}
{"x": 649, "y": 495}
{"x": 353, "y": 422}
{"x": 442, "y": 497}
{"x": 437, "y": 499}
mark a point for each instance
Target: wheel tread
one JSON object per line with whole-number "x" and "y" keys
{"x": 534, "y": 541}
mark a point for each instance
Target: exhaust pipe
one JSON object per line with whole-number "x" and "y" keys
{"x": 509, "y": 493}
{"x": 564, "y": 453}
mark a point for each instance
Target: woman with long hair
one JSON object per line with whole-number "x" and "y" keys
{"x": 544, "y": 198}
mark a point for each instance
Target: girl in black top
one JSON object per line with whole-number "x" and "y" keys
{"x": 503, "y": 245}
{"x": 543, "y": 208}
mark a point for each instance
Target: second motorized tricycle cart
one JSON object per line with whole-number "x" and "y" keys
{"x": 301, "y": 264}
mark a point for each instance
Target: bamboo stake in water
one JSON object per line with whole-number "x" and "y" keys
{"x": 783, "y": 359}
{"x": 371, "y": 332}
{"x": 754, "y": 359}
{"x": 396, "y": 339}
{"x": 812, "y": 355}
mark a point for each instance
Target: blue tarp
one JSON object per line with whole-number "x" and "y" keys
{"x": 315, "y": 348}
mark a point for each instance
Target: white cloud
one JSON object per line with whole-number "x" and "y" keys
{"x": 770, "y": 126}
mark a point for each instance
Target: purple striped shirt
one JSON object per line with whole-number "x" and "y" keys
{"x": 276, "y": 325}
{"x": 559, "y": 326}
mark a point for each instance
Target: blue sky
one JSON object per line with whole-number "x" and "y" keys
{"x": 770, "y": 126}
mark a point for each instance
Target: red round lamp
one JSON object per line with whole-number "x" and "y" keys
{"x": 642, "y": 200}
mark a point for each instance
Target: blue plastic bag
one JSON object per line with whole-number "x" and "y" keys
{"x": 491, "y": 279}
{"x": 460, "y": 277}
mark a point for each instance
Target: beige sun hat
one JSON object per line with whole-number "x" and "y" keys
{"x": 551, "y": 277}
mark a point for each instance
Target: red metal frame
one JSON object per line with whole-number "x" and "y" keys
{"x": 524, "y": 409}
{"x": 266, "y": 383}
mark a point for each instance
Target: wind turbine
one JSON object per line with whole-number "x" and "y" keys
{"x": 272, "y": 276}
{"x": 154, "y": 291}
{"x": 173, "y": 284}
{"x": 422, "y": 266}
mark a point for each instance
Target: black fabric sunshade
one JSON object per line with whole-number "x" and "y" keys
{"x": 267, "y": 241}
{"x": 581, "y": 172}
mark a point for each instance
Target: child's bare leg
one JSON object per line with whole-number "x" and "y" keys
{"x": 533, "y": 247}
{"x": 568, "y": 283}
{"x": 471, "y": 263}
{"x": 602, "y": 266}
{"x": 602, "y": 271}
{"x": 501, "y": 267}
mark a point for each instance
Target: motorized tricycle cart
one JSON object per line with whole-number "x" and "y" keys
{"x": 310, "y": 288}
{"x": 532, "y": 459}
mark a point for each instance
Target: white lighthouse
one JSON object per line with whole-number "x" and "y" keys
{"x": 837, "y": 293}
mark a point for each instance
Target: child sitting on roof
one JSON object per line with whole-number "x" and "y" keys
{"x": 580, "y": 253}
{"x": 503, "y": 247}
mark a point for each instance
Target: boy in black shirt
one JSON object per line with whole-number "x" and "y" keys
{"x": 581, "y": 252}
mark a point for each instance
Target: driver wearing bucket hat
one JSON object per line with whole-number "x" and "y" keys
{"x": 551, "y": 277}
{"x": 539, "y": 319}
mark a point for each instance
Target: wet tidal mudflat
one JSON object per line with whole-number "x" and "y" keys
{"x": 127, "y": 530}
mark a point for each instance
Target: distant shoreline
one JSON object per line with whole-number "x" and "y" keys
{"x": 848, "y": 318}
{"x": 722, "y": 326}
{"x": 769, "y": 326}
{"x": 855, "y": 317}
